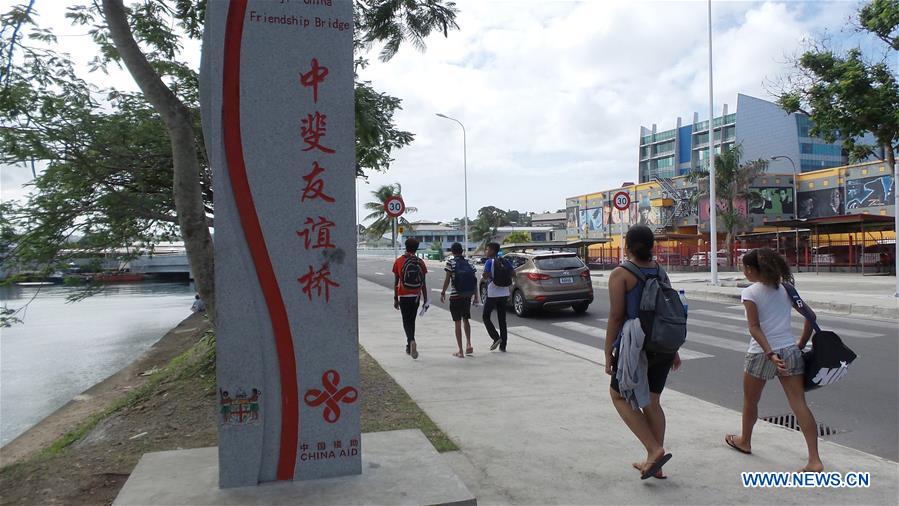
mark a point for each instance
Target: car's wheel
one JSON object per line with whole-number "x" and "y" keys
{"x": 580, "y": 307}
{"x": 519, "y": 304}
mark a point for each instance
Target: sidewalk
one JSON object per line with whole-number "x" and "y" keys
{"x": 536, "y": 426}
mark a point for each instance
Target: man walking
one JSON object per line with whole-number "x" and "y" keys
{"x": 498, "y": 272}
{"x": 461, "y": 274}
{"x": 410, "y": 283}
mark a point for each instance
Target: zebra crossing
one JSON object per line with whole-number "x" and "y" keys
{"x": 703, "y": 323}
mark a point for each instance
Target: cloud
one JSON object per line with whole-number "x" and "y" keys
{"x": 553, "y": 94}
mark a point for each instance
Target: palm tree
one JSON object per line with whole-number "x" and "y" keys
{"x": 395, "y": 21}
{"x": 733, "y": 184}
{"x": 482, "y": 232}
{"x": 382, "y": 222}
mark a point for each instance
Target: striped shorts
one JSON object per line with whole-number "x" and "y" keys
{"x": 757, "y": 366}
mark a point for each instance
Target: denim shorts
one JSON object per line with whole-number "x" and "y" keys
{"x": 757, "y": 366}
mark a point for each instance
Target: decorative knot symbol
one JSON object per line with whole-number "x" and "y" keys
{"x": 331, "y": 397}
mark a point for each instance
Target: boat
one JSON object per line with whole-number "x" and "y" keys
{"x": 118, "y": 277}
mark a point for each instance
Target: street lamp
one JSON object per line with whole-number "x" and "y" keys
{"x": 465, "y": 171}
{"x": 795, "y": 201}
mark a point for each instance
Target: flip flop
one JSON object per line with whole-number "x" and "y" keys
{"x": 458, "y": 355}
{"x": 729, "y": 439}
{"x": 657, "y": 476}
{"x": 656, "y": 467}
{"x": 469, "y": 350}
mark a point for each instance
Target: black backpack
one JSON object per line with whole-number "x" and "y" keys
{"x": 412, "y": 276}
{"x": 464, "y": 279}
{"x": 502, "y": 272}
{"x": 662, "y": 315}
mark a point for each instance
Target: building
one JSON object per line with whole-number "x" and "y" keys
{"x": 843, "y": 217}
{"x": 761, "y": 127}
{"x": 429, "y": 232}
{"x": 554, "y": 221}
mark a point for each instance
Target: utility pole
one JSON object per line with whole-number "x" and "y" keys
{"x": 713, "y": 200}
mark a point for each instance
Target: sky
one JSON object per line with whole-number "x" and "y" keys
{"x": 552, "y": 93}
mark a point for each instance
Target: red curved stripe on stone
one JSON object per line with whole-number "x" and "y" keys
{"x": 290, "y": 417}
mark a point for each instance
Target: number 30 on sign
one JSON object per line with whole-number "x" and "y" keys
{"x": 622, "y": 200}
{"x": 395, "y": 206}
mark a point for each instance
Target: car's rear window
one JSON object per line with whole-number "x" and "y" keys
{"x": 558, "y": 263}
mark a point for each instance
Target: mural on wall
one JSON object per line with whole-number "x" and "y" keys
{"x": 596, "y": 219}
{"x": 582, "y": 220}
{"x": 739, "y": 204}
{"x": 820, "y": 203}
{"x": 692, "y": 209}
{"x": 615, "y": 216}
{"x": 870, "y": 192}
{"x": 774, "y": 201}
{"x": 572, "y": 214}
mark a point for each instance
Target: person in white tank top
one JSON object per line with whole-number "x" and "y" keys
{"x": 773, "y": 351}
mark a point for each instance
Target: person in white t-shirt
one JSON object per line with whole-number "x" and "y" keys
{"x": 773, "y": 350}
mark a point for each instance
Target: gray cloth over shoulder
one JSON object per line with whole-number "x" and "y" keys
{"x": 632, "y": 365}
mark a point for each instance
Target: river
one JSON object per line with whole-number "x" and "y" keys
{"x": 62, "y": 349}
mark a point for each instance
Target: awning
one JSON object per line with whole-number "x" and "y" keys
{"x": 839, "y": 224}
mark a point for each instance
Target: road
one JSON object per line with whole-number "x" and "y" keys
{"x": 863, "y": 408}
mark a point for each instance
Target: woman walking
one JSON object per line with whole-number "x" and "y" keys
{"x": 625, "y": 291}
{"x": 773, "y": 350}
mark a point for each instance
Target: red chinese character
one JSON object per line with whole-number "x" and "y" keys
{"x": 315, "y": 187}
{"x": 321, "y": 447}
{"x": 337, "y": 445}
{"x": 313, "y": 77}
{"x": 313, "y": 128}
{"x": 320, "y": 230}
{"x": 304, "y": 447}
{"x": 318, "y": 281}
{"x": 354, "y": 443}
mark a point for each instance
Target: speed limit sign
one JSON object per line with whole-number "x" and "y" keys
{"x": 395, "y": 206}
{"x": 622, "y": 200}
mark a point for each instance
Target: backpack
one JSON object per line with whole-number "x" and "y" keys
{"x": 464, "y": 279}
{"x": 412, "y": 276}
{"x": 829, "y": 359}
{"x": 502, "y": 272}
{"x": 662, "y": 315}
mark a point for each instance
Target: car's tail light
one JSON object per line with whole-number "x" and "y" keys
{"x": 533, "y": 276}
{"x": 541, "y": 298}
{"x": 585, "y": 274}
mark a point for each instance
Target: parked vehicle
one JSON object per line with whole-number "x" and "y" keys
{"x": 702, "y": 259}
{"x": 545, "y": 279}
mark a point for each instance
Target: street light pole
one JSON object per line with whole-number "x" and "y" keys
{"x": 713, "y": 201}
{"x": 896, "y": 216}
{"x": 465, "y": 172}
{"x": 795, "y": 201}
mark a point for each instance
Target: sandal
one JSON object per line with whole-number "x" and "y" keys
{"x": 469, "y": 350}
{"x": 729, "y": 439}
{"x": 659, "y": 475}
{"x": 458, "y": 355}
{"x": 656, "y": 467}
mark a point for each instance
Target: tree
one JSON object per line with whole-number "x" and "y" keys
{"x": 383, "y": 223}
{"x": 46, "y": 107}
{"x": 846, "y": 95}
{"x": 517, "y": 238}
{"x": 437, "y": 249}
{"x": 733, "y": 184}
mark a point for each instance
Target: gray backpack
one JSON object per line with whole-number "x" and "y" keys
{"x": 662, "y": 315}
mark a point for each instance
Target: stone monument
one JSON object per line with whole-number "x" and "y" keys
{"x": 277, "y": 90}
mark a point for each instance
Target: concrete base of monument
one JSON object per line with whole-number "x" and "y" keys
{"x": 398, "y": 467}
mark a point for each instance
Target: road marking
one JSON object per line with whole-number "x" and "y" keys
{"x": 717, "y": 342}
{"x": 745, "y": 330}
{"x": 581, "y": 328}
{"x": 580, "y": 350}
{"x": 380, "y": 274}
{"x": 858, "y": 319}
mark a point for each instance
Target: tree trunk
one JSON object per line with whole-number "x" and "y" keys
{"x": 188, "y": 195}
{"x": 891, "y": 157}
{"x": 728, "y": 245}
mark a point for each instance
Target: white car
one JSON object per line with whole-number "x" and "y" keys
{"x": 702, "y": 260}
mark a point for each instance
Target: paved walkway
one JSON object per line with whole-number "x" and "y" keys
{"x": 535, "y": 425}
